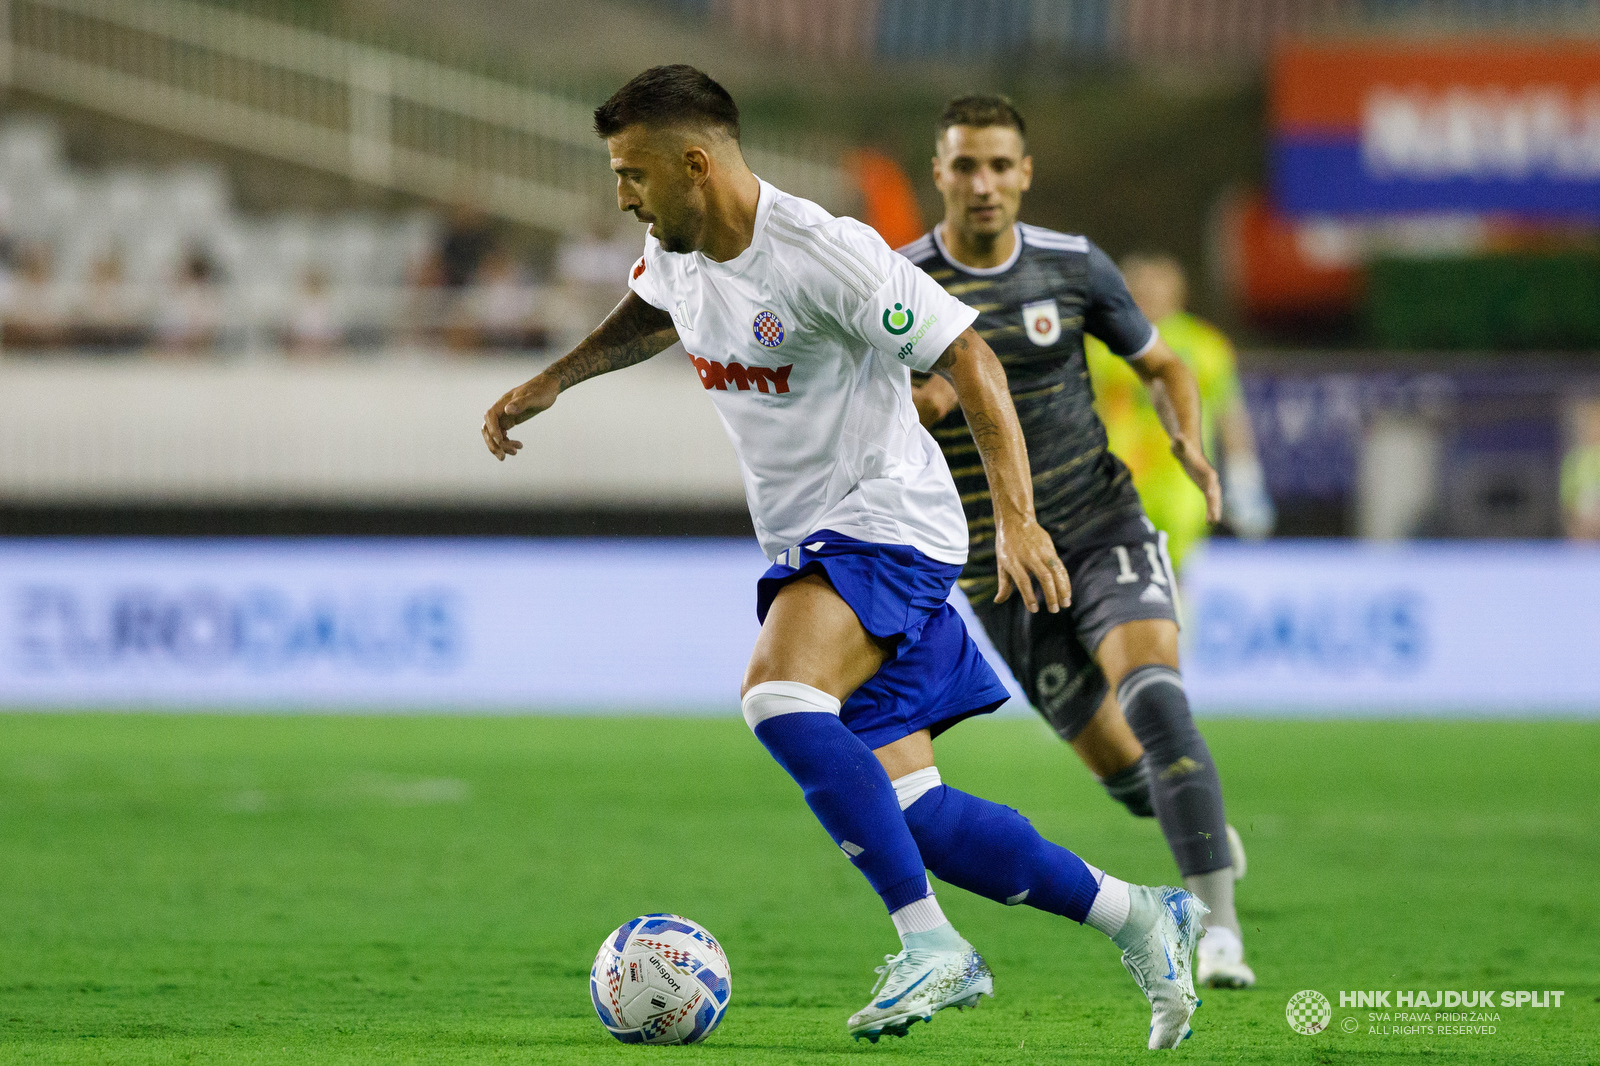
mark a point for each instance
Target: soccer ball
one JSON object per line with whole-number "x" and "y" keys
{"x": 660, "y": 979}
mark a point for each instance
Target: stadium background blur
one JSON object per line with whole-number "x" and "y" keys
{"x": 263, "y": 265}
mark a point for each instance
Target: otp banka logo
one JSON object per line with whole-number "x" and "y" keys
{"x": 900, "y": 320}
{"x": 60, "y": 629}
{"x": 1381, "y": 631}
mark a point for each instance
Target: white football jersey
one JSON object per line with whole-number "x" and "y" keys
{"x": 806, "y": 341}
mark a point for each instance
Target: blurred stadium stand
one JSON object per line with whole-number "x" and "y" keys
{"x": 1178, "y": 30}
{"x": 415, "y": 123}
{"x": 105, "y": 255}
{"x": 131, "y": 257}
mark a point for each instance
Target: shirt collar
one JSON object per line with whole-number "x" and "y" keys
{"x": 768, "y": 194}
{"x": 982, "y": 272}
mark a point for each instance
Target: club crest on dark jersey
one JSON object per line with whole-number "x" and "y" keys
{"x": 1043, "y": 322}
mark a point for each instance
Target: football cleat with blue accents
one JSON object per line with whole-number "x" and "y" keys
{"x": 914, "y": 984}
{"x": 1160, "y": 960}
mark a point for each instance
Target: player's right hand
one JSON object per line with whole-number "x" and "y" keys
{"x": 514, "y": 408}
{"x": 1194, "y": 463}
{"x": 1025, "y": 554}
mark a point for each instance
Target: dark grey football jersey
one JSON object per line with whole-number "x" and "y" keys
{"x": 1033, "y": 311}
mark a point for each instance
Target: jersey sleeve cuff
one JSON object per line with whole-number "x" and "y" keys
{"x": 1155, "y": 335}
{"x": 649, "y": 296}
{"x": 934, "y": 345}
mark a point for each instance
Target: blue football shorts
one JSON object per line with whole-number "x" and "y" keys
{"x": 935, "y": 675}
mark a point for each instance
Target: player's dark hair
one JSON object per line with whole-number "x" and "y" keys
{"x": 676, "y": 95}
{"x": 980, "y": 110}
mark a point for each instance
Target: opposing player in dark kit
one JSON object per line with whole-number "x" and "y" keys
{"x": 803, "y": 328}
{"x": 1105, "y": 671}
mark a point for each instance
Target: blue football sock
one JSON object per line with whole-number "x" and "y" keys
{"x": 844, "y": 784}
{"x": 995, "y": 852}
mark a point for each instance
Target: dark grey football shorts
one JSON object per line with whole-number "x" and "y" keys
{"x": 1123, "y": 575}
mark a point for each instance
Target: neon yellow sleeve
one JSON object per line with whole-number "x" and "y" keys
{"x": 1215, "y": 367}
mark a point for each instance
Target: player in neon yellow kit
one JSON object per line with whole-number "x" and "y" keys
{"x": 1580, "y": 474}
{"x": 1134, "y": 430}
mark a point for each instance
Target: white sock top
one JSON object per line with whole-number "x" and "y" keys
{"x": 772, "y": 698}
{"x": 915, "y": 785}
{"x": 923, "y": 916}
{"x": 1109, "y": 911}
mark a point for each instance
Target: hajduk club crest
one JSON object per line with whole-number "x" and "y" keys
{"x": 1043, "y": 322}
{"x": 768, "y": 329}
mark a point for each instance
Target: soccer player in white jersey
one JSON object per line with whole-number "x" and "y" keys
{"x": 804, "y": 329}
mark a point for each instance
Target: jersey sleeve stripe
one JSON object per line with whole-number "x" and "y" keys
{"x": 822, "y": 246}
{"x": 1057, "y": 246}
{"x": 850, "y": 255}
{"x": 850, "y": 282}
{"x": 846, "y": 255}
{"x": 809, "y": 240}
{"x": 1050, "y": 239}
{"x": 919, "y": 249}
{"x": 1051, "y": 234}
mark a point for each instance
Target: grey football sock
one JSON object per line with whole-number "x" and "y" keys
{"x": 1184, "y": 788}
{"x": 1131, "y": 788}
{"x": 1215, "y": 890}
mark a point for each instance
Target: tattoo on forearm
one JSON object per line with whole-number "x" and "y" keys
{"x": 632, "y": 333}
{"x": 987, "y": 433}
{"x": 986, "y": 430}
{"x": 991, "y": 421}
{"x": 947, "y": 361}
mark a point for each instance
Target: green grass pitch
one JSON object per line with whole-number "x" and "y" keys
{"x": 433, "y": 889}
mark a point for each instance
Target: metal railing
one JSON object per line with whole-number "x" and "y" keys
{"x": 397, "y": 121}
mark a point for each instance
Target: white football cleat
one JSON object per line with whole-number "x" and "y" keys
{"x": 1160, "y": 960}
{"x": 914, "y": 984}
{"x": 1220, "y": 963}
{"x": 1236, "y": 851}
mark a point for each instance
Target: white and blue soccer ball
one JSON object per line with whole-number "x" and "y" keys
{"x": 660, "y": 979}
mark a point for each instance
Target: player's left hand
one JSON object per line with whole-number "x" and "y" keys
{"x": 1201, "y": 473}
{"x": 1026, "y": 554}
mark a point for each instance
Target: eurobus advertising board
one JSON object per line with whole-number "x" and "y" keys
{"x": 1399, "y": 127}
{"x": 527, "y": 626}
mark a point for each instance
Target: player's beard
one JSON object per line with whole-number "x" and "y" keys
{"x": 681, "y": 232}
{"x": 671, "y": 242}
{"x": 986, "y": 229}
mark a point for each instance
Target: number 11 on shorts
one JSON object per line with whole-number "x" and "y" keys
{"x": 1125, "y": 572}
